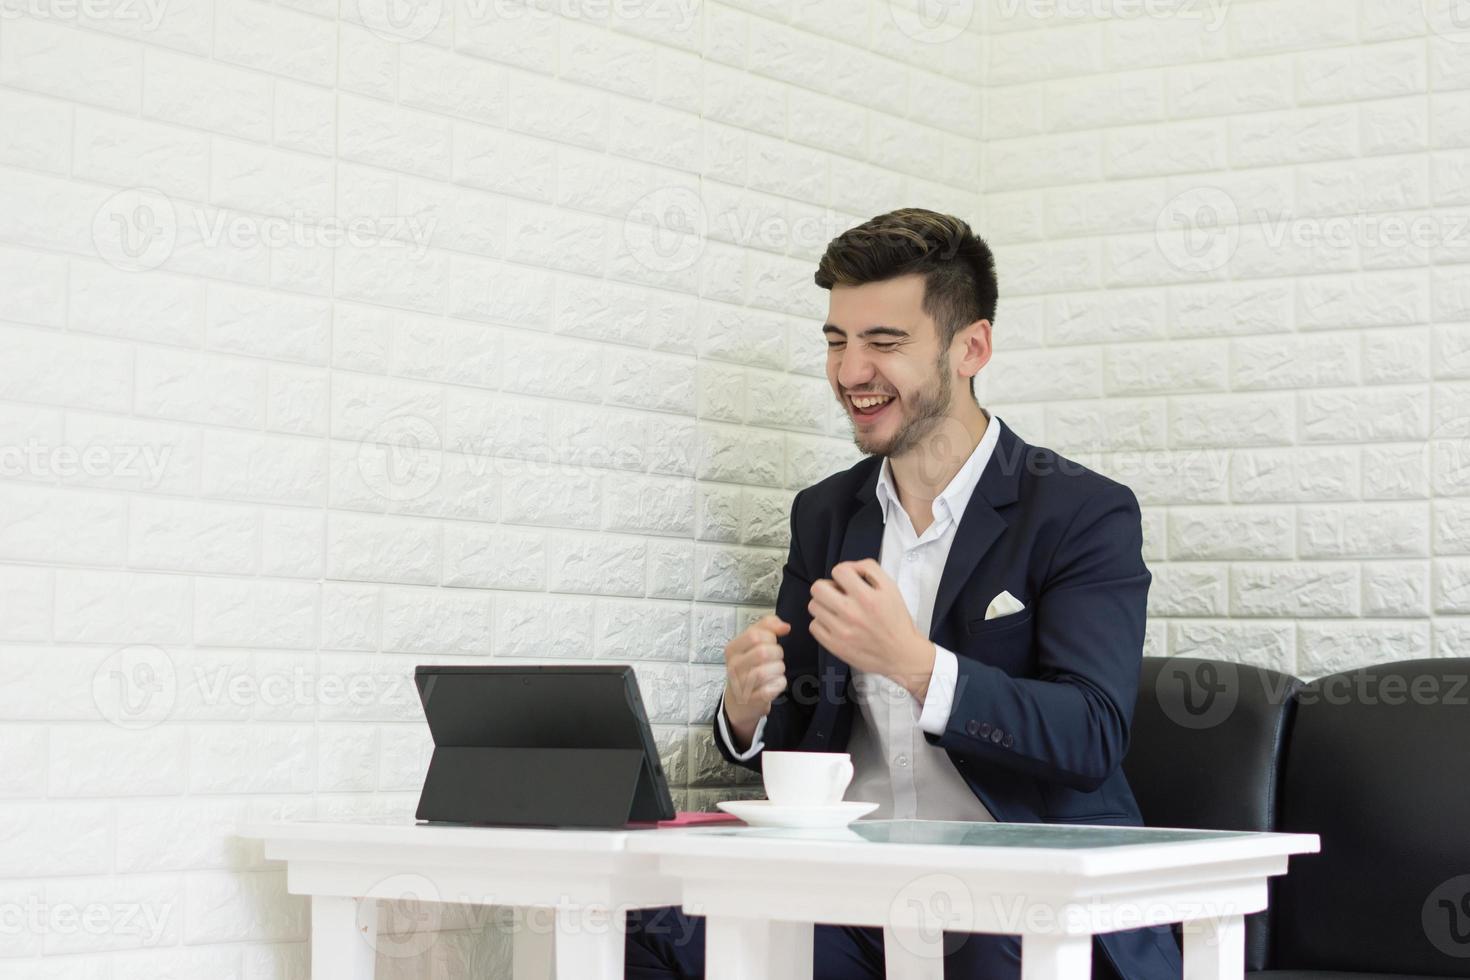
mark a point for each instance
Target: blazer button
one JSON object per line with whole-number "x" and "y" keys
{"x": 971, "y": 727}
{"x": 985, "y": 729}
{"x": 996, "y": 736}
{"x": 1010, "y": 740}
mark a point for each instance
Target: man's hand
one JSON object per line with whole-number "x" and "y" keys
{"x": 860, "y": 616}
{"x": 755, "y": 673}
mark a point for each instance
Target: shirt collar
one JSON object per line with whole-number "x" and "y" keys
{"x": 955, "y": 496}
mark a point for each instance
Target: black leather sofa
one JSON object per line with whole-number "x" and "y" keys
{"x": 1376, "y": 761}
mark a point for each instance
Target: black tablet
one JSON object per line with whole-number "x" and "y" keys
{"x": 558, "y": 745}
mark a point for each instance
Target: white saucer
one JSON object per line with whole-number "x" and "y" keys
{"x": 764, "y": 813}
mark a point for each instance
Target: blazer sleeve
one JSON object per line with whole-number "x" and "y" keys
{"x": 792, "y": 710}
{"x": 1069, "y": 722}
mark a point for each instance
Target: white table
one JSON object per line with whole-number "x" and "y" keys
{"x": 586, "y": 879}
{"x": 1055, "y": 885}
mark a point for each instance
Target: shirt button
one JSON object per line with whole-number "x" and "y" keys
{"x": 903, "y": 761}
{"x": 910, "y": 556}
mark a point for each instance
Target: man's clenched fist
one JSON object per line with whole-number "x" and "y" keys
{"x": 859, "y": 615}
{"x": 755, "y": 673}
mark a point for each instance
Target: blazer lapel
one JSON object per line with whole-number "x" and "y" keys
{"x": 863, "y": 538}
{"x": 981, "y": 523}
{"x": 978, "y": 530}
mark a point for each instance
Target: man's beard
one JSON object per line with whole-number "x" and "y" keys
{"x": 926, "y": 409}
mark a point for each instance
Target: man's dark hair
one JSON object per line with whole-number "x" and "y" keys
{"x": 957, "y": 265}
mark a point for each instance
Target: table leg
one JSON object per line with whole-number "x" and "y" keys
{"x": 533, "y": 945}
{"x": 344, "y": 932}
{"x": 913, "y": 954}
{"x": 1047, "y": 957}
{"x": 737, "y": 948}
{"x": 589, "y": 946}
{"x": 1214, "y": 948}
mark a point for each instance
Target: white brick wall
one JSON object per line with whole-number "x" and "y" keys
{"x": 1232, "y": 244}
{"x": 328, "y": 350}
{"x": 329, "y": 347}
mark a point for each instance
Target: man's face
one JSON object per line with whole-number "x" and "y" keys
{"x": 881, "y": 342}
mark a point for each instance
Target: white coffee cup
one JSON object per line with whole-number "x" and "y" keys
{"x": 806, "y": 778}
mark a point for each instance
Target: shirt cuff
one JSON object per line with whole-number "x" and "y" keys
{"x": 939, "y": 701}
{"x": 755, "y": 740}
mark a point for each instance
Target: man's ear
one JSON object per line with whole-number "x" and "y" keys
{"x": 976, "y": 350}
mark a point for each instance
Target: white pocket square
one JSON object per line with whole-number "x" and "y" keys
{"x": 1003, "y": 605}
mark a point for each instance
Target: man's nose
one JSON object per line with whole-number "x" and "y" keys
{"x": 853, "y": 369}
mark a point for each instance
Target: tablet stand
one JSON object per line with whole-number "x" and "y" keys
{"x": 553, "y": 787}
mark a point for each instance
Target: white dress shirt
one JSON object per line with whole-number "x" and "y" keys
{"x": 893, "y": 764}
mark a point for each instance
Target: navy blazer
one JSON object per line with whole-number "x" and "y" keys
{"x": 1045, "y": 696}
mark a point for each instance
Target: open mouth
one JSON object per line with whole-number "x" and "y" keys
{"x": 871, "y": 412}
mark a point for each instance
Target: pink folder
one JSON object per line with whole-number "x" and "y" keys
{"x": 690, "y": 818}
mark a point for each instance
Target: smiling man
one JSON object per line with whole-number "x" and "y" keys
{"x": 961, "y": 611}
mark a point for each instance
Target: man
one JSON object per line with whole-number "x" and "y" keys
{"x": 961, "y": 611}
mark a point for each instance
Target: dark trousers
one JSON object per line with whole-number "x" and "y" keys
{"x": 666, "y": 944}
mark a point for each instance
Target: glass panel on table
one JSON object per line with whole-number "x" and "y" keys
{"x": 965, "y": 834}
